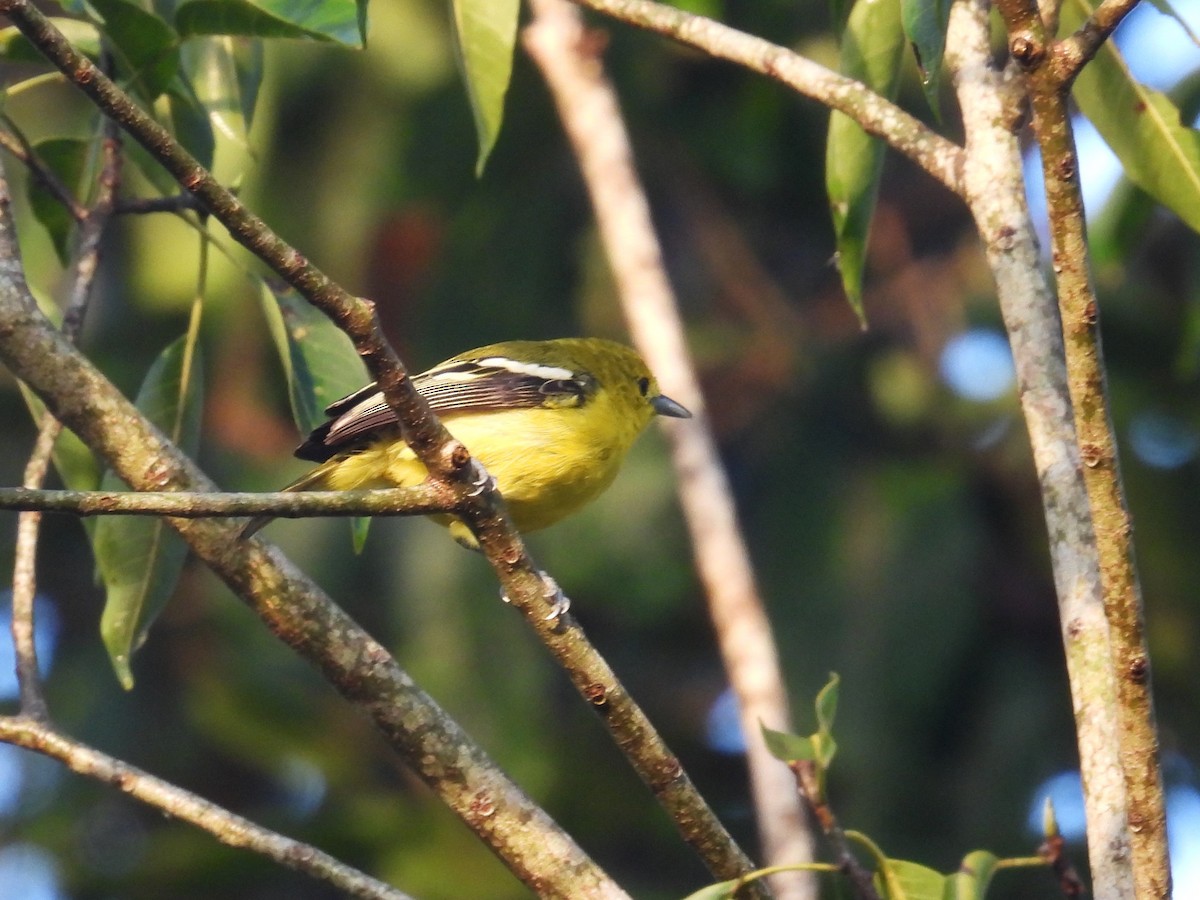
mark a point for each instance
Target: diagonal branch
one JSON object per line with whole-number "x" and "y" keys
{"x": 227, "y": 827}
{"x": 589, "y": 110}
{"x": 935, "y": 154}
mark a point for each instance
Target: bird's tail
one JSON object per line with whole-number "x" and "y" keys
{"x": 313, "y": 481}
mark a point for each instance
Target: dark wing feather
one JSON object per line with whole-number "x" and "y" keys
{"x": 458, "y": 386}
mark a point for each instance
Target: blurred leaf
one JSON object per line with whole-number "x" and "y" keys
{"x": 359, "y": 527}
{"x": 925, "y": 24}
{"x": 485, "y": 32}
{"x": 68, "y": 160}
{"x": 974, "y": 875}
{"x": 327, "y": 20}
{"x": 84, "y": 36}
{"x": 788, "y": 747}
{"x": 73, "y": 459}
{"x": 1142, "y": 126}
{"x": 826, "y": 703}
{"x": 1165, "y": 7}
{"x": 190, "y": 119}
{"x": 719, "y": 891}
{"x": 871, "y": 49}
{"x": 320, "y": 363}
{"x": 140, "y": 558}
{"x": 1049, "y": 819}
{"x": 910, "y": 881}
{"x": 146, "y": 46}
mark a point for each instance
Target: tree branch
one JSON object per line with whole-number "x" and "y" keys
{"x": 421, "y": 500}
{"x": 73, "y": 393}
{"x": 1048, "y": 82}
{"x": 589, "y": 109}
{"x": 226, "y": 827}
{"x": 1074, "y": 52}
{"x": 935, "y": 154}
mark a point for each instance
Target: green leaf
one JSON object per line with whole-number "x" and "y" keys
{"x": 140, "y": 558}
{"x": 84, "y": 36}
{"x": 722, "y": 890}
{"x": 925, "y": 23}
{"x": 1160, "y": 154}
{"x": 190, "y": 119}
{"x": 319, "y": 20}
{"x": 73, "y": 459}
{"x": 146, "y": 46}
{"x": 319, "y": 361}
{"x": 910, "y": 881}
{"x": 485, "y": 32}
{"x": 68, "y": 160}
{"x": 871, "y": 49}
{"x": 826, "y": 703}
{"x": 788, "y": 747}
{"x": 974, "y": 875}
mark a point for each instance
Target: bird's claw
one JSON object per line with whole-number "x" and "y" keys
{"x": 561, "y": 602}
{"x": 482, "y": 481}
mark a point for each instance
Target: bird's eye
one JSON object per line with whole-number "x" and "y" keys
{"x": 643, "y": 385}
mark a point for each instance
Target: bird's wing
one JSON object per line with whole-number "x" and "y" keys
{"x": 459, "y": 385}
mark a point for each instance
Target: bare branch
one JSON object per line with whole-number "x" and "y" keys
{"x": 1074, "y": 52}
{"x": 935, "y": 154}
{"x": 591, "y": 116}
{"x": 421, "y": 500}
{"x": 229, "y": 829}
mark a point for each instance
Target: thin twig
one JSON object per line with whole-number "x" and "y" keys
{"x": 1072, "y": 53}
{"x": 590, "y": 113}
{"x": 87, "y": 261}
{"x": 1048, "y": 73}
{"x": 935, "y": 154}
{"x": 175, "y": 204}
{"x": 420, "y": 500}
{"x": 225, "y": 826}
{"x": 808, "y": 780}
{"x": 15, "y": 144}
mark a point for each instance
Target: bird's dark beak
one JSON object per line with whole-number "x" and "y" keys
{"x": 665, "y": 406}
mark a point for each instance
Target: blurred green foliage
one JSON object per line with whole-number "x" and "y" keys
{"x": 895, "y": 525}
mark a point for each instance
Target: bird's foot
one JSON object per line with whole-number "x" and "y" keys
{"x": 552, "y": 592}
{"x": 480, "y": 480}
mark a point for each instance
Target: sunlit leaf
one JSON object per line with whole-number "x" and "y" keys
{"x": 68, "y": 160}
{"x": 974, "y": 875}
{"x": 140, "y": 558}
{"x": 872, "y": 46}
{"x": 146, "y": 46}
{"x": 925, "y": 23}
{"x": 485, "y": 32}
{"x": 190, "y": 119}
{"x": 328, "y": 20}
{"x": 1142, "y": 126}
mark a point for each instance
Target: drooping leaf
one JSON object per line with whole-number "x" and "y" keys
{"x": 925, "y": 23}
{"x": 225, "y": 74}
{"x": 190, "y": 119}
{"x": 319, "y": 361}
{"x": 140, "y": 558}
{"x": 872, "y": 45}
{"x": 318, "y": 20}
{"x": 485, "y": 33}
{"x": 974, "y": 875}
{"x": 146, "y": 46}
{"x": 68, "y": 160}
{"x": 1160, "y": 154}
{"x": 73, "y": 460}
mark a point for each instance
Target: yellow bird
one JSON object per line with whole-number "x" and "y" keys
{"x": 551, "y": 421}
